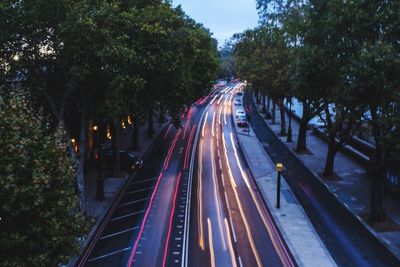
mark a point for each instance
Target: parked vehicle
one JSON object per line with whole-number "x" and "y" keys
{"x": 241, "y": 122}
{"x": 128, "y": 159}
{"x": 238, "y": 101}
{"x": 240, "y": 112}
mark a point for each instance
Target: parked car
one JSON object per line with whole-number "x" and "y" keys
{"x": 239, "y": 112}
{"x": 238, "y": 101}
{"x": 128, "y": 159}
{"x": 241, "y": 122}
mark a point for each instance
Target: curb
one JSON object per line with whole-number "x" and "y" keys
{"x": 98, "y": 226}
{"x": 335, "y": 195}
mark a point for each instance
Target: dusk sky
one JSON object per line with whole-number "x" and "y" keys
{"x": 222, "y": 17}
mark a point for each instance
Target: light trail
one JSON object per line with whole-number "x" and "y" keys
{"x": 269, "y": 226}
{"x": 204, "y": 124}
{"x": 185, "y": 163}
{"x": 144, "y": 222}
{"x": 212, "y": 124}
{"x": 184, "y": 132}
{"x": 171, "y": 149}
{"x": 228, "y": 233}
{"x": 166, "y": 133}
{"x": 227, "y": 162}
{"x": 216, "y": 197}
{"x": 210, "y": 242}
{"x": 219, "y": 100}
{"x": 212, "y": 101}
{"x": 219, "y": 115}
{"x": 246, "y": 224}
{"x": 171, "y": 219}
{"x": 199, "y": 198}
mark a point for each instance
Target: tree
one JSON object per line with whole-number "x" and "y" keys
{"x": 40, "y": 213}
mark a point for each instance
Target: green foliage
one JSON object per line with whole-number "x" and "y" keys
{"x": 40, "y": 219}
{"x": 228, "y": 63}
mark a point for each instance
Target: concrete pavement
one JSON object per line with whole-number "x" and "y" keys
{"x": 292, "y": 221}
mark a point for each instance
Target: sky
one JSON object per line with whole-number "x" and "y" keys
{"x": 223, "y": 17}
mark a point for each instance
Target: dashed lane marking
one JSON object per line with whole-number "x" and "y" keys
{"x": 140, "y": 190}
{"x": 119, "y": 233}
{"x": 127, "y": 215}
{"x": 109, "y": 254}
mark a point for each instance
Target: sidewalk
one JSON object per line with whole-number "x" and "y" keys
{"x": 95, "y": 209}
{"x": 292, "y": 221}
{"x": 351, "y": 185}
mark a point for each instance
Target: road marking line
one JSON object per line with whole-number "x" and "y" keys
{"x": 143, "y": 181}
{"x": 210, "y": 241}
{"x": 118, "y": 233}
{"x": 230, "y": 243}
{"x": 127, "y": 215}
{"x": 233, "y": 230}
{"x": 132, "y": 202}
{"x": 140, "y": 190}
{"x": 109, "y": 254}
{"x": 217, "y": 198}
{"x": 240, "y": 261}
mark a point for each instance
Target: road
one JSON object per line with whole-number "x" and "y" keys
{"x": 348, "y": 241}
{"x": 140, "y": 224}
{"x": 229, "y": 224}
{"x": 193, "y": 202}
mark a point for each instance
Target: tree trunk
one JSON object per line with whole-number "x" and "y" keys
{"x": 283, "y": 118}
{"x": 302, "y": 137}
{"x": 80, "y": 179}
{"x": 330, "y": 157}
{"x": 289, "y": 136}
{"x": 377, "y": 213}
{"x": 377, "y": 175}
{"x": 115, "y": 147}
{"x": 268, "y": 107}
{"x": 100, "y": 179}
{"x": 150, "y": 126}
{"x": 273, "y": 112}
{"x": 264, "y": 108}
{"x": 161, "y": 117}
{"x": 135, "y": 134}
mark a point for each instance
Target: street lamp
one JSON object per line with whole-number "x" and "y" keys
{"x": 279, "y": 168}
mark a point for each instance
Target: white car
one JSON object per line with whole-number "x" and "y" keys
{"x": 238, "y": 101}
{"x": 239, "y": 113}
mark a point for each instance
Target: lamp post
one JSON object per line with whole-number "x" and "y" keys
{"x": 279, "y": 167}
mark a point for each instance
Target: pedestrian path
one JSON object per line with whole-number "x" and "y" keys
{"x": 297, "y": 230}
{"x": 350, "y": 185}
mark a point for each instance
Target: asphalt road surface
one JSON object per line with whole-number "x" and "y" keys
{"x": 142, "y": 222}
{"x": 229, "y": 226}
